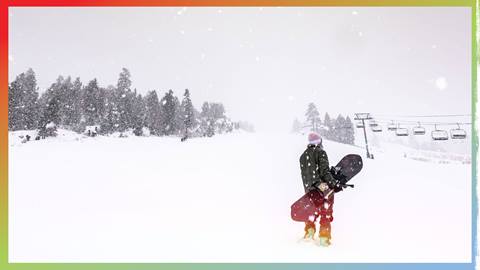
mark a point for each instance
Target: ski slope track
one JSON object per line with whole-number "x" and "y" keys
{"x": 224, "y": 199}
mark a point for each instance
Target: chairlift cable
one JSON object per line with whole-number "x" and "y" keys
{"x": 389, "y": 121}
{"x": 422, "y": 116}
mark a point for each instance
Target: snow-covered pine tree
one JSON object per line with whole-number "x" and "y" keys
{"x": 62, "y": 89}
{"x": 339, "y": 129}
{"x": 111, "y": 118}
{"x": 13, "y": 101}
{"x": 187, "y": 113}
{"x": 327, "y": 126}
{"x": 313, "y": 117}
{"x": 138, "y": 114}
{"x": 91, "y": 103}
{"x": 67, "y": 101}
{"x": 102, "y": 92}
{"x": 349, "y": 131}
{"x": 124, "y": 80}
{"x": 218, "y": 118}
{"x": 246, "y": 126}
{"x": 178, "y": 119}
{"x": 49, "y": 103}
{"x": 125, "y": 99}
{"x": 196, "y": 125}
{"x": 50, "y": 117}
{"x": 168, "y": 112}
{"x": 23, "y": 106}
{"x": 153, "y": 113}
{"x": 207, "y": 124}
{"x": 228, "y": 125}
{"x": 75, "y": 113}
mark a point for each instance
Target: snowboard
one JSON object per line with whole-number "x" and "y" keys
{"x": 306, "y": 208}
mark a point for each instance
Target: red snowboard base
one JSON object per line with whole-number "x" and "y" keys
{"x": 308, "y": 206}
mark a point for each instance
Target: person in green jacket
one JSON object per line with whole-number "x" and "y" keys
{"x": 315, "y": 170}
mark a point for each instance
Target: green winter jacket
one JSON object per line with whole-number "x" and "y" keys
{"x": 315, "y": 168}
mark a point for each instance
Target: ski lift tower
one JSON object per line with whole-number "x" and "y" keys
{"x": 362, "y": 117}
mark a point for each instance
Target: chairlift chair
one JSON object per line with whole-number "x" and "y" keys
{"x": 419, "y": 130}
{"x": 377, "y": 128}
{"x": 392, "y": 126}
{"x": 373, "y": 123}
{"x": 401, "y": 131}
{"x": 359, "y": 125}
{"x": 458, "y": 133}
{"x": 439, "y": 134}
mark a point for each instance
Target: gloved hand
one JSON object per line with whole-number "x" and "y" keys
{"x": 323, "y": 186}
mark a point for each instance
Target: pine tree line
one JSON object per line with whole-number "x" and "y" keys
{"x": 71, "y": 105}
{"x": 338, "y": 129}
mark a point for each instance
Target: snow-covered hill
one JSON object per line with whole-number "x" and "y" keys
{"x": 224, "y": 199}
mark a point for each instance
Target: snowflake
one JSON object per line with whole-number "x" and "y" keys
{"x": 441, "y": 83}
{"x": 181, "y": 11}
{"x": 50, "y": 125}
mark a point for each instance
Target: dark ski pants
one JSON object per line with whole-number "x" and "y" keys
{"x": 325, "y": 212}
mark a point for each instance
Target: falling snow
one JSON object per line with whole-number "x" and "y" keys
{"x": 441, "y": 83}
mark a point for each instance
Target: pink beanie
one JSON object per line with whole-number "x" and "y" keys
{"x": 314, "y": 138}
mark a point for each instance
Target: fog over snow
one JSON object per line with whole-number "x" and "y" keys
{"x": 264, "y": 64}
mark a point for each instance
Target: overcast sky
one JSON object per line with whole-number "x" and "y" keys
{"x": 264, "y": 64}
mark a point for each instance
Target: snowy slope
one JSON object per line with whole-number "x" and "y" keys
{"x": 224, "y": 199}
{"x": 441, "y": 157}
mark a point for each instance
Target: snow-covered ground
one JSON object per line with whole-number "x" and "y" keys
{"x": 224, "y": 199}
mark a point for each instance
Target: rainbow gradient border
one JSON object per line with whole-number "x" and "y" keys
{"x": 5, "y": 4}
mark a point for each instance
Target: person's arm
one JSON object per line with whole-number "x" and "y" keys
{"x": 324, "y": 169}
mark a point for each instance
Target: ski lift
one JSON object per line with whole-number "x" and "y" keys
{"x": 392, "y": 126}
{"x": 458, "y": 133}
{"x": 439, "y": 134}
{"x": 401, "y": 131}
{"x": 360, "y": 125}
{"x": 377, "y": 128}
{"x": 373, "y": 123}
{"x": 419, "y": 130}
